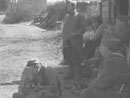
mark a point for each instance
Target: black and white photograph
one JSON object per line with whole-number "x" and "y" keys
{"x": 64, "y": 48}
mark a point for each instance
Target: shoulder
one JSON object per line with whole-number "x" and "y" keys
{"x": 27, "y": 74}
{"x": 51, "y": 75}
{"x": 67, "y": 16}
{"x": 80, "y": 16}
{"x": 116, "y": 62}
{"x": 50, "y": 70}
{"x": 115, "y": 59}
{"x": 27, "y": 70}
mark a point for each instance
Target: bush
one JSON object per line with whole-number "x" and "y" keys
{"x": 17, "y": 16}
{"x": 60, "y": 9}
{"x": 23, "y": 10}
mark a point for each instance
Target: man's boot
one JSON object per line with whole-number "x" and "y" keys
{"x": 70, "y": 74}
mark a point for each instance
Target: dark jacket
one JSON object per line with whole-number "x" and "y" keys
{"x": 46, "y": 77}
{"x": 73, "y": 30}
{"x": 112, "y": 75}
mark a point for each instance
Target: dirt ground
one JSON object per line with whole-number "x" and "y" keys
{"x": 21, "y": 42}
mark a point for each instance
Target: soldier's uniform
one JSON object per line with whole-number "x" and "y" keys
{"x": 110, "y": 78}
{"x": 73, "y": 30}
{"x": 113, "y": 74}
{"x": 46, "y": 77}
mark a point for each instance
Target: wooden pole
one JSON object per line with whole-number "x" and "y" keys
{"x": 101, "y": 10}
{"x": 109, "y": 11}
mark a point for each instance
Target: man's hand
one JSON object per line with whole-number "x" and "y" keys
{"x": 74, "y": 34}
{"x": 90, "y": 61}
{"x": 39, "y": 87}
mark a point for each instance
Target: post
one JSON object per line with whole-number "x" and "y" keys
{"x": 101, "y": 10}
{"x": 109, "y": 11}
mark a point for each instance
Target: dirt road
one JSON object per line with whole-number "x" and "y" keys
{"x": 19, "y": 43}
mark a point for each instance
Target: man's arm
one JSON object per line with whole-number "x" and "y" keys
{"x": 99, "y": 32}
{"x": 45, "y": 87}
{"x": 90, "y": 61}
{"x": 104, "y": 81}
{"x": 108, "y": 75}
{"x": 64, "y": 23}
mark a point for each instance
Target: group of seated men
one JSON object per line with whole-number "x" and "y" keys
{"x": 112, "y": 67}
{"x": 111, "y": 71}
{"x": 112, "y": 77}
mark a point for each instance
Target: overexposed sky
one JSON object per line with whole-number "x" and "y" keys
{"x": 51, "y": 1}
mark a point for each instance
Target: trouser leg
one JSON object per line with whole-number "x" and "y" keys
{"x": 18, "y": 95}
{"x": 65, "y": 53}
{"x": 76, "y": 61}
{"x": 46, "y": 94}
{"x": 86, "y": 93}
{"x": 68, "y": 58}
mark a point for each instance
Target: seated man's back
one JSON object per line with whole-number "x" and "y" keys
{"x": 38, "y": 81}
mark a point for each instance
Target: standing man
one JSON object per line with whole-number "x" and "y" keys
{"x": 73, "y": 30}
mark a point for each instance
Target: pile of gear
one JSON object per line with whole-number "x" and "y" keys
{"x": 49, "y": 19}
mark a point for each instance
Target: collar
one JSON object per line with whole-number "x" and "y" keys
{"x": 72, "y": 12}
{"x": 119, "y": 54}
